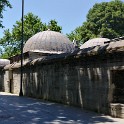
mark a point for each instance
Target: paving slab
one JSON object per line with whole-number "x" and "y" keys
{"x": 24, "y": 110}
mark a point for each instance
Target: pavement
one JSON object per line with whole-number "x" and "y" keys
{"x": 24, "y": 110}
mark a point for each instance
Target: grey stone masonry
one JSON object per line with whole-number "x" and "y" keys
{"x": 86, "y": 82}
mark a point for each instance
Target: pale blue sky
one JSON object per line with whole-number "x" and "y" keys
{"x": 68, "y": 13}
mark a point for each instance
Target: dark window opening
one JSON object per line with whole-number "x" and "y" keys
{"x": 118, "y": 81}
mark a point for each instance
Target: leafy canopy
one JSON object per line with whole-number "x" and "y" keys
{"x": 3, "y": 4}
{"x": 105, "y": 19}
{"x": 11, "y": 40}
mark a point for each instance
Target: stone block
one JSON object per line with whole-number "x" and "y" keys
{"x": 117, "y": 110}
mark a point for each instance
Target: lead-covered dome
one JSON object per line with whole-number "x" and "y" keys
{"x": 49, "y": 41}
{"x": 94, "y": 42}
{"x": 4, "y": 62}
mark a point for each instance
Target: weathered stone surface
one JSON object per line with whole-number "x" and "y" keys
{"x": 85, "y": 82}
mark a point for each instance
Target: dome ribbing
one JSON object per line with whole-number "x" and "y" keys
{"x": 49, "y": 41}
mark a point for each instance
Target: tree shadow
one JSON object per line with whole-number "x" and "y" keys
{"x": 23, "y": 110}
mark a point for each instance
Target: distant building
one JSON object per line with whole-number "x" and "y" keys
{"x": 91, "y": 77}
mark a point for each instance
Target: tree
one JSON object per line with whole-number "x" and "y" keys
{"x": 8, "y": 45}
{"x": 105, "y": 19}
{"x": 11, "y": 41}
{"x": 53, "y": 26}
{"x": 32, "y": 25}
{"x": 3, "y": 4}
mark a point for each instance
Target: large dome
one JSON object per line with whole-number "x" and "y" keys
{"x": 49, "y": 41}
{"x": 94, "y": 42}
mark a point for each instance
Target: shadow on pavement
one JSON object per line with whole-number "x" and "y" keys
{"x": 23, "y": 110}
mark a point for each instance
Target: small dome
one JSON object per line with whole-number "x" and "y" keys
{"x": 4, "y": 62}
{"x": 94, "y": 42}
{"x": 49, "y": 41}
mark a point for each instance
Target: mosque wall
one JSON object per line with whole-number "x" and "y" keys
{"x": 85, "y": 82}
{"x": 6, "y": 82}
{"x": 12, "y": 81}
{"x": 16, "y": 81}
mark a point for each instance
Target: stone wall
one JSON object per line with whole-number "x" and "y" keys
{"x": 85, "y": 82}
{"x": 6, "y": 82}
{"x": 12, "y": 81}
{"x": 16, "y": 81}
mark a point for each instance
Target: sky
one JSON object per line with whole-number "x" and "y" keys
{"x": 68, "y": 13}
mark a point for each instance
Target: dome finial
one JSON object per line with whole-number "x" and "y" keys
{"x": 48, "y": 28}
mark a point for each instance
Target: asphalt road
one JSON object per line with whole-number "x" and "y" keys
{"x": 23, "y": 110}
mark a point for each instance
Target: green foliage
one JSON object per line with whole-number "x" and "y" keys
{"x": 32, "y": 25}
{"x": 8, "y": 45}
{"x": 52, "y": 25}
{"x": 105, "y": 19}
{"x": 3, "y": 4}
{"x": 11, "y": 41}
